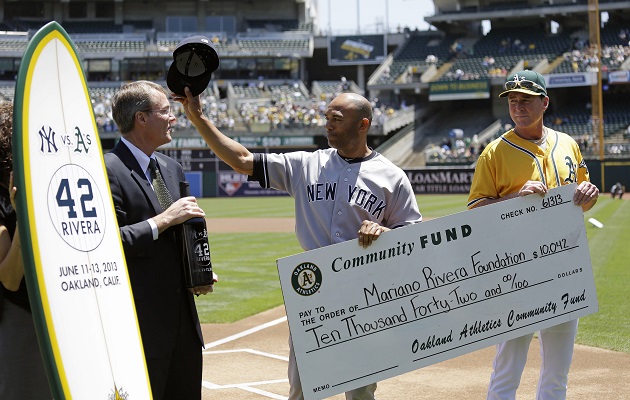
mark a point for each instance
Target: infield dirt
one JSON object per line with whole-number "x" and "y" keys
{"x": 254, "y": 367}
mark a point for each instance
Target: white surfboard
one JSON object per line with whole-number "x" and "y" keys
{"x": 75, "y": 269}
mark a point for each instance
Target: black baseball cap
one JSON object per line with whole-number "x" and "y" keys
{"x": 194, "y": 62}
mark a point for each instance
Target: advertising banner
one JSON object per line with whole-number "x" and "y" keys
{"x": 355, "y": 50}
{"x": 459, "y": 90}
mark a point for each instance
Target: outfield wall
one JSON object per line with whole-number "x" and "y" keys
{"x": 211, "y": 177}
{"x": 607, "y": 173}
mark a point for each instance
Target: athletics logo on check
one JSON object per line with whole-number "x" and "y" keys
{"x": 306, "y": 279}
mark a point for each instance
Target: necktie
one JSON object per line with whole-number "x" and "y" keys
{"x": 163, "y": 195}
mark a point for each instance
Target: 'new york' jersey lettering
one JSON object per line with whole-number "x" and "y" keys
{"x": 366, "y": 200}
{"x": 321, "y": 191}
{"x": 356, "y": 196}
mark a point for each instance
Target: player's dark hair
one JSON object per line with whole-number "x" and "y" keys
{"x": 365, "y": 109}
{"x": 362, "y": 105}
{"x": 6, "y": 131}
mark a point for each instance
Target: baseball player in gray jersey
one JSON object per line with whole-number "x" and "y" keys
{"x": 337, "y": 191}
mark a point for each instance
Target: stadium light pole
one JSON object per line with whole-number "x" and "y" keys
{"x": 329, "y": 23}
{"x": 358, "y": 20}
{"x": 596, "y": 90}
{"x": 386, "y": 19}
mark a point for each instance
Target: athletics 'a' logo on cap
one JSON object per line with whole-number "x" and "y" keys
{"x": 306, "y": 279}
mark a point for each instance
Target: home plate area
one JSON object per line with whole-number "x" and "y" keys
{"x": 247, "y": 360}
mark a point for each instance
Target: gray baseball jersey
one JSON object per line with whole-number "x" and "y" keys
{"x": 334, "y": 196}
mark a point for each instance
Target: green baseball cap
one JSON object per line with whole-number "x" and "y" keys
{"x": 529, "y": 82}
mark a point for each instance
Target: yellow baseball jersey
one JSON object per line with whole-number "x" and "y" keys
{"x": 509, "y": 161}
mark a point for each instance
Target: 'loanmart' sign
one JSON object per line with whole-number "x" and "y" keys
{"x": 443, "y": 181}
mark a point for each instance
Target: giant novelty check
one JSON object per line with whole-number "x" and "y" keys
{"x": 432, "y": 291}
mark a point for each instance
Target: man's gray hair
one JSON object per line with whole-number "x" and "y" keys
{"x": 131, "y": 98}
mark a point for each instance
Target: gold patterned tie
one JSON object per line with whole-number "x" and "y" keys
{"x": 163, "y": 195}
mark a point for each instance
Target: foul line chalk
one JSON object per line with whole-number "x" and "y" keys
{"x": 245, "y": 333}
{"x": 209, "y": 385}
{"x": 251, "y": 351}
{"x": 248, "y": 388}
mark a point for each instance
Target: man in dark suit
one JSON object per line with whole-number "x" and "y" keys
{"x": 169, "y": 325}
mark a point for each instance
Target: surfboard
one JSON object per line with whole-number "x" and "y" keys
{"x": 75, "y": 268}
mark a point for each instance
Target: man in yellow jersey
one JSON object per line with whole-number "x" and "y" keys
{"x": 531, "y": 158}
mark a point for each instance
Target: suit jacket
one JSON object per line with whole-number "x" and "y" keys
{"x": 154, "y": 266}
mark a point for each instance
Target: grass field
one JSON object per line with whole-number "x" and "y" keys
{"x": 246, "y": 263}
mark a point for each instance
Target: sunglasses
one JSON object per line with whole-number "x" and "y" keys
{"x": 524, "y": 84}
{"x": 164, "y": 111}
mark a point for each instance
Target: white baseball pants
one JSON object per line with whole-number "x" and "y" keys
{"x": 556, "y": 351}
